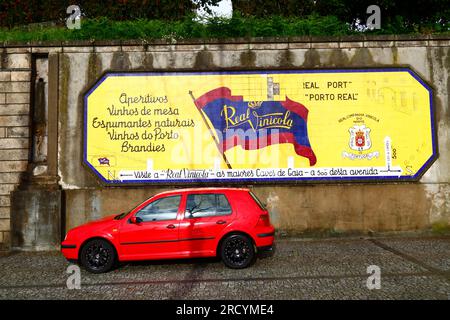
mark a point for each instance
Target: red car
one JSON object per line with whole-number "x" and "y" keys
{"x": 229, "y": 223}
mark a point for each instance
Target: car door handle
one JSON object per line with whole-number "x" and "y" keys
{"x": 221, "y": 222}
{"x": 171, "y": 226}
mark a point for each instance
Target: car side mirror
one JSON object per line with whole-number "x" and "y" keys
{"x": 136, "y": 220}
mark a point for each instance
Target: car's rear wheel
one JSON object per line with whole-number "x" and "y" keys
{"x": 98, "y": 256}
{"x": 237, "y": 251}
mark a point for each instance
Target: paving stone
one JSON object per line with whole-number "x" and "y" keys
{"x": 300, "y": 269}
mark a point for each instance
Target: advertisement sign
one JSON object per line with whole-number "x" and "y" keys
{"x": 259, "y": 126}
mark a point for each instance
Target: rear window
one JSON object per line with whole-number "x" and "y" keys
{"x": 260, "y": 204}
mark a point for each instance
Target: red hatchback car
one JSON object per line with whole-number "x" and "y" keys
{"x": 229, "y": 223}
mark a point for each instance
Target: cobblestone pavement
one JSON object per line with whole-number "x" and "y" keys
{"x": 411, "y": 268}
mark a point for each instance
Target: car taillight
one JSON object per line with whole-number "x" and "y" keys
{"x": 264, "y": 220}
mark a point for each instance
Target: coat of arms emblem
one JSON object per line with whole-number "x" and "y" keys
{"x": 359, "y": 138}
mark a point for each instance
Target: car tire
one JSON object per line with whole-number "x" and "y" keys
{"x": 237, "y": 251}
{"x": 98, "y": 256}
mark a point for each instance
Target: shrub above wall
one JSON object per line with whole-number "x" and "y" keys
{"x": 238, "y": 26}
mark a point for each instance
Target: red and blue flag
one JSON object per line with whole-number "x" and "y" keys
{"x": 256, "y": 124}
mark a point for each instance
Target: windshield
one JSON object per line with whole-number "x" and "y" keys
{"x": 123, "y": 214}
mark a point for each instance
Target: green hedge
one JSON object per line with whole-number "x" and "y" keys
{"x": 238, "y": 26}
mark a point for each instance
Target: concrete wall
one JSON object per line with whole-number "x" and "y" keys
{"x": 300, "y": 208}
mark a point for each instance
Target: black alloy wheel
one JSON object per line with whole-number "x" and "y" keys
{"x": 237, "y": 251}
{"x": 98, "y": 256}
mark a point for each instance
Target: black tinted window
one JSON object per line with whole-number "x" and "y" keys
{"x": 161, "y": 209}
{"x": 206, "y": 205}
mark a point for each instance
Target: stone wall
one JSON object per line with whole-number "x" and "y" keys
{"x": 14, "y": 128}
{"x": 296, "y": 208}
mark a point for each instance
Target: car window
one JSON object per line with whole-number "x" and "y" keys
{"x": 124, "y": 214}
{"x": 161, "y": 209}
{"x": 258, "y": 202}
{"x": 223, "y": 206}
{"x": 207, "y": 205}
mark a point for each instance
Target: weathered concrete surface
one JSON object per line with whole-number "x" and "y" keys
{"x": 300, "y": 208}
{"x": 297, "y": 209}
{"x": 36, "y": 222}
{"x": 348, "y": 208}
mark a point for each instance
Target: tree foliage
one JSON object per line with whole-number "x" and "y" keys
{"x": 237, "y": 26}
{"x": 20, "y": 12}
{"x": 267, "y": 8}
{"x": 401, "y": 15}
{"x": 128, "y": 19}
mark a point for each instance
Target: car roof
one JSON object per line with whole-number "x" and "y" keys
{"x": 209, "y": 189}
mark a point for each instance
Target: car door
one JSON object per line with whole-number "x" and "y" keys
{"x": 205, "y": 217}
{"x": 157, "y": 235}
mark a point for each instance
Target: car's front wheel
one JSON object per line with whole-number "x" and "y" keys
{"x": 237, "y": 251}
{"x": 98, "y": 256}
